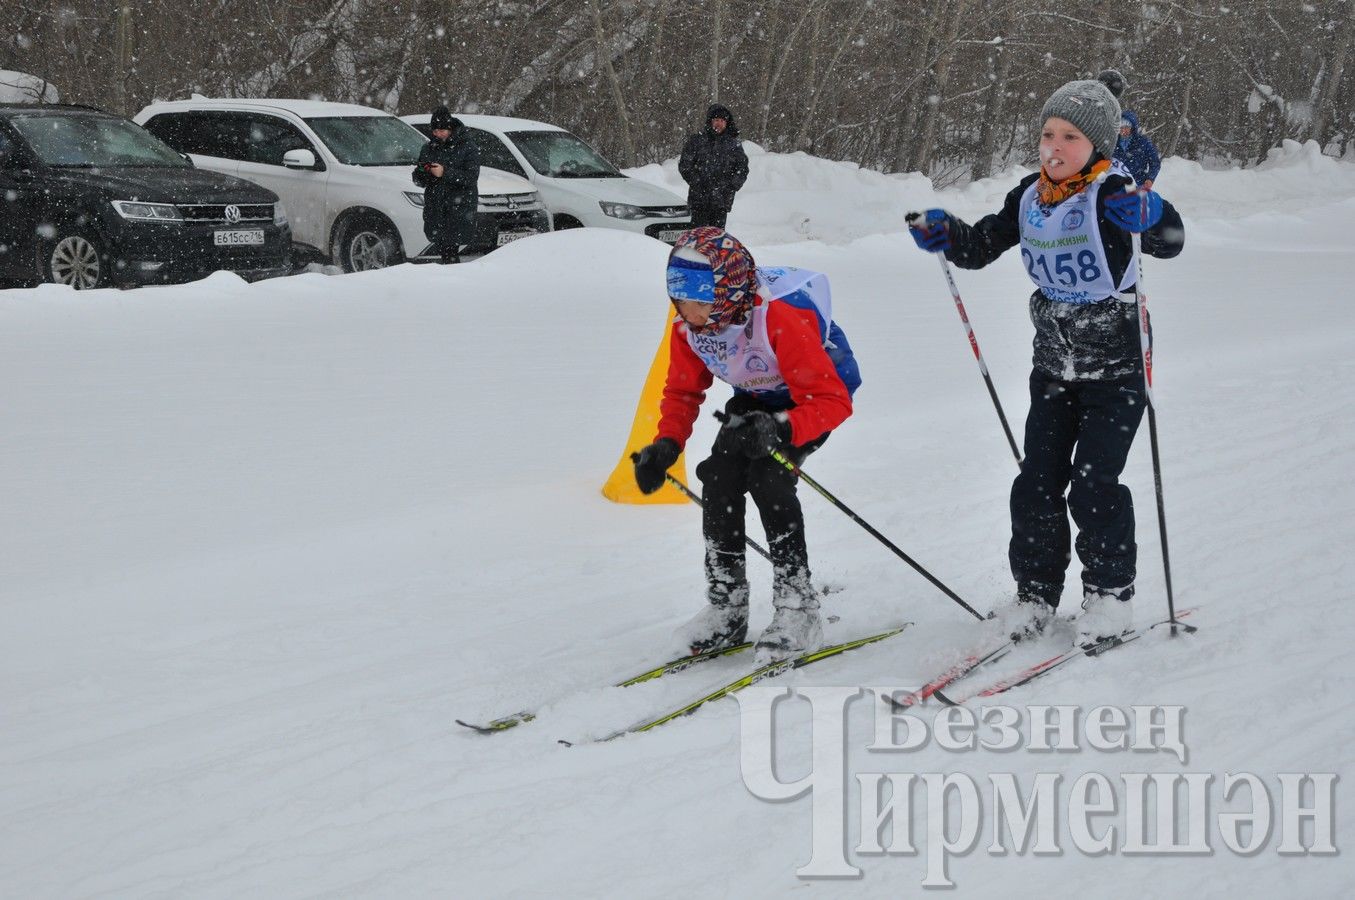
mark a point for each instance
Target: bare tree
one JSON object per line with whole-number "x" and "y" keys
{"x": 946, "y": 88}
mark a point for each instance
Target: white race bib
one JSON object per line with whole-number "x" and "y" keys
{"x": 1063, "y": 252}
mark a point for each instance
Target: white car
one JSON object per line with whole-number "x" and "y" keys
{"x": 577, "y": 184}
{"x": 342, "y": 172}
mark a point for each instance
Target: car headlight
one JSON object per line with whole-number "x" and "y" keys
{"x": 147, "y": 212}
{"x": 414, "y": 197}
{"x": 279, "y": 215}
{"x": 622, "y": 210}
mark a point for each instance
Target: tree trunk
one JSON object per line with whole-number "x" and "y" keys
{"x": 782, "y": 58}
{"x": 604, "y": 58}
{"x": 923, "y": 48}
{"x": 932, "y": 115}
{"x": 1103, "y": 54}
{"x": 1324, "y": 110}
{"x": 802, "y": 138}
{"x": 1182, "y": 122}
{"x": 123, "y": 50}
{"x": 716, "y": 41}
{"x": 997, "y": 100}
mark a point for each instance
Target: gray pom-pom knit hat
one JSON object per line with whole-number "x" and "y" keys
{"x": 1092, "y": 108}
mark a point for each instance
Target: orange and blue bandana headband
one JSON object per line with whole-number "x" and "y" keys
{"x": 728, "y": 282}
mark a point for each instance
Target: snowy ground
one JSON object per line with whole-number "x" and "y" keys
{"x": 263, "y": 543}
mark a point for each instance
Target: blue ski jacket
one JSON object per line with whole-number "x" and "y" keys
{"x": 1137, "y": 153}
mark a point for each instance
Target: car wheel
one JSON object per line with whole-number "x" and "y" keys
{"x": 364, "y": 244}
{"x": 563, "y": 223}
{"x": 77, "y": 260}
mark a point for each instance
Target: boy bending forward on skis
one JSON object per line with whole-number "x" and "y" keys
{"x": 768, "y": 332}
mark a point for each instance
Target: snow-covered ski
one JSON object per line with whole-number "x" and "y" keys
{"x": 671, "y": 667}
{"x": 771, "y": 670}
{"x": 1044, "y": 667}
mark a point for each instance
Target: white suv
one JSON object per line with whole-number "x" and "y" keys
{"x": 577, "y": 184}
{"x": 342, "y": 172}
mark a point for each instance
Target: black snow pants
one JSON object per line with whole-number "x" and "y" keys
{"x": 714, "y": 216}
{"x": 1078, "y": 432}
{"x": 726, "y": 477}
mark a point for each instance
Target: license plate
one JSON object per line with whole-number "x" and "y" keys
{"x": 243, "y": 238}
{"x": 507, "y": 237}
{"x": 670, "y": 235}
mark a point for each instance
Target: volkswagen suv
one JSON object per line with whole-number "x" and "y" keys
{"x": 90, "y": 199}
{"x": 343, "y": 172}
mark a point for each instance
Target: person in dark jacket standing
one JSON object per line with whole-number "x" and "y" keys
{"x": 1074, "y": 221}
{"x": 448, "y": 170}
{"x": 714, "y": 166}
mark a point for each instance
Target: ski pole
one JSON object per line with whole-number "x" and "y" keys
{"x": 1146, "y": 355}
{"x": 799, "y": 473}
{"x": 915, "y": 220}
{"x": 696, "y": 498}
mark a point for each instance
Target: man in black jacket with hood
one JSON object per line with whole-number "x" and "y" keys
{"x": 714, "y": 166}
{"x": 448, "y": 170}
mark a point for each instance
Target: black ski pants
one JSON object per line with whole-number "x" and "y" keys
{"x": 1078, "y": 435}
{"x": 714, "y": 216}
{"x": 727, "y": 477}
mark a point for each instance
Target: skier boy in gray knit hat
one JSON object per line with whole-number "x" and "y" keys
{"x": 1074, "y": 220}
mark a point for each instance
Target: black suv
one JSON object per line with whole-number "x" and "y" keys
{"x": 91, "y": 199}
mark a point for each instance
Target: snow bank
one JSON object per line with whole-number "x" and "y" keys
{"x": 1293, "y": 177}
{"x": 793, "y": 197}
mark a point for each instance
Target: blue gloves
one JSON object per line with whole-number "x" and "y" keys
{"x": 930, "y": 230}
{"x": 1136, "y": 211}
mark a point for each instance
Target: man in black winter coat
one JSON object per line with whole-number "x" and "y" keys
{"x": 448, "y": 170}
{"x": 714, "y": 166}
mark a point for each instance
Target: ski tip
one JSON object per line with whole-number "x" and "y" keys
{"x": 479, "y": 729}
{"x": 564, "y": 743}
{"x": 498, "y": 725}
{"x": 944, "y": 699}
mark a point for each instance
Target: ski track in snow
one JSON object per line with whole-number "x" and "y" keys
{"x": 265, "y": 542}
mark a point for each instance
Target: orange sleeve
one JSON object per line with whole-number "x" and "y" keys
{"x": 685, "y": 389}
{"x": 821, "y": 400}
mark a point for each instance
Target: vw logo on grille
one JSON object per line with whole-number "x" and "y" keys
{"x": 233, "y": 214}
